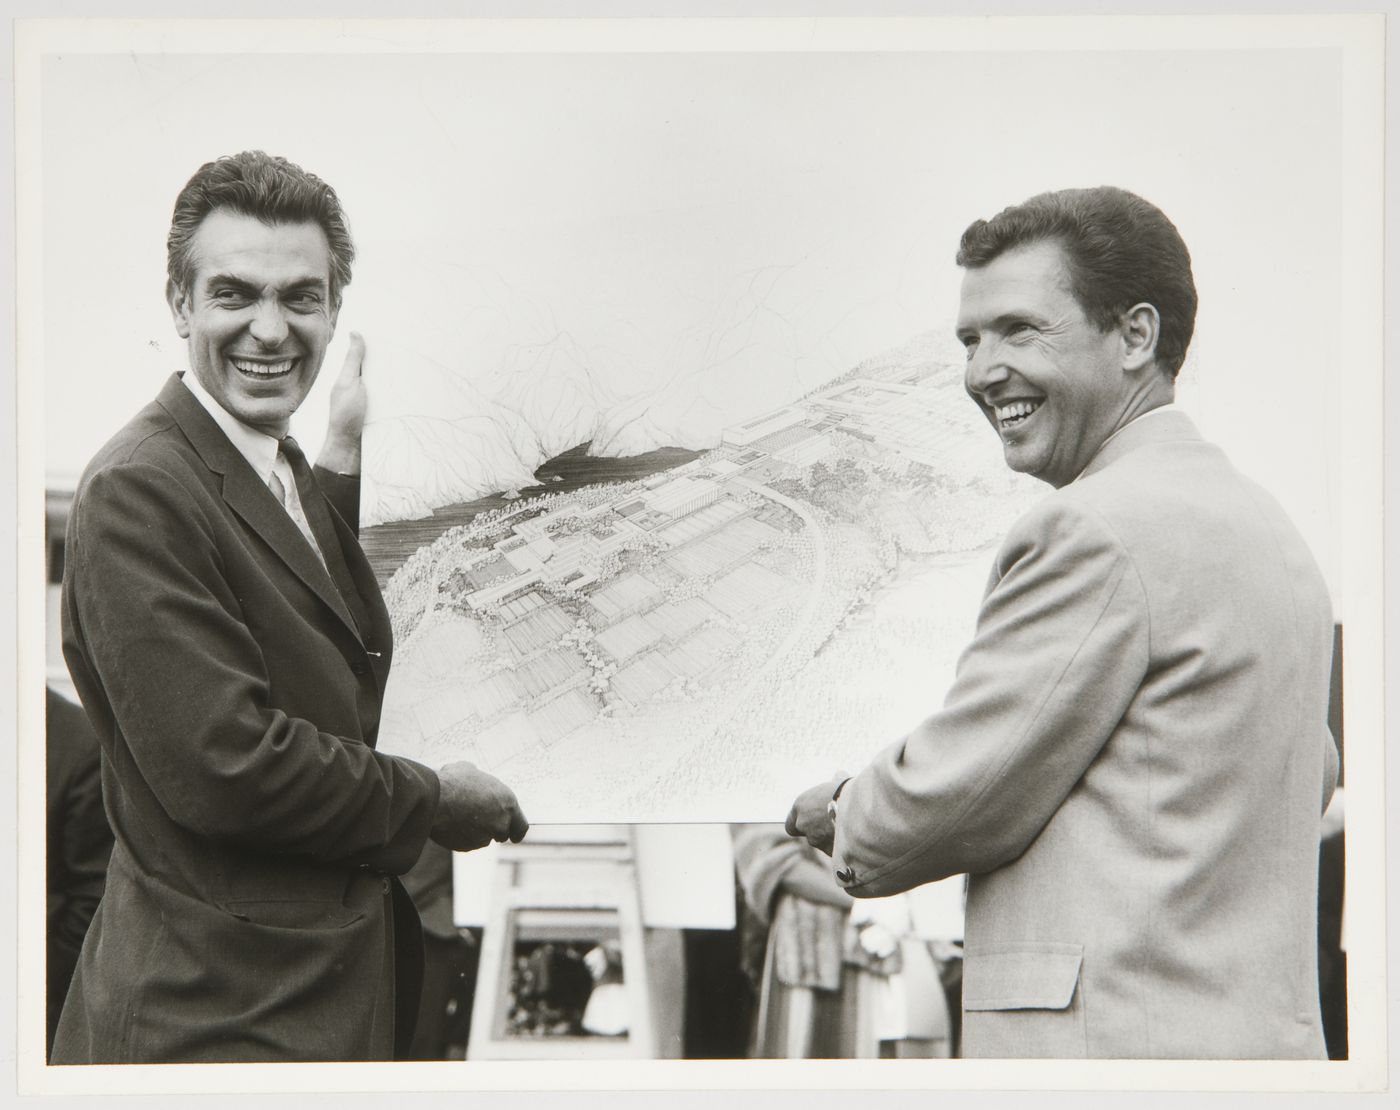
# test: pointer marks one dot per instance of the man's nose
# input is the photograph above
(269, 326)
(985, 368)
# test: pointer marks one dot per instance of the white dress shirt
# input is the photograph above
(264, 455)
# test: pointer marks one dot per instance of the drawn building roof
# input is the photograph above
(628, 593)
(720, 550)
(769, 422)
(680, 492)
(779, 441)
(704, 520)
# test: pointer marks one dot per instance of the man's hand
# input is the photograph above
(809, 817)
(346, 424)
(475, 808)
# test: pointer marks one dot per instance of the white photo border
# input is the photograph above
(1361, 43)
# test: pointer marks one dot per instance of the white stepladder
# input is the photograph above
(580, 889)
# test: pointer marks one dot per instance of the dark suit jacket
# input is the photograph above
(249, 910)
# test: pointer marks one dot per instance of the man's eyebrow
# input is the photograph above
(229, 279)
(1004, 321)
(1019, 316)
(998, 324)
(320, 284)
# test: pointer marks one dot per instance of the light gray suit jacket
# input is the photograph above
(1131, 764)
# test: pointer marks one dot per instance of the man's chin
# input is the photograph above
(1017, 458)
(1023, 462)
(267, 417)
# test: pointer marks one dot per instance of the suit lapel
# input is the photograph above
(244, 492)
(377, 645)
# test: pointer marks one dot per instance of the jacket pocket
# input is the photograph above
(294, 913)
(1024, 999)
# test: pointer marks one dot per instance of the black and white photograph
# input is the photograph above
(700, 553)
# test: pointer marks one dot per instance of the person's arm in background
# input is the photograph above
(769, 863)
(79, 839)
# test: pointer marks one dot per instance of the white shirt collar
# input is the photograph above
(1170, 406)
(259, 448)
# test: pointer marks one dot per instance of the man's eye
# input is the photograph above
(304, 302)
(970, 347)
(230, 297)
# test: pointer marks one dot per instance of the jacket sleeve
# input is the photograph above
(1059, 653)
(343, 492)
(153, 623)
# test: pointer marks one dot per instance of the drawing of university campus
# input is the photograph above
(690, 644)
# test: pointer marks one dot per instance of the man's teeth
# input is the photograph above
(262, 369)
(1016, 411)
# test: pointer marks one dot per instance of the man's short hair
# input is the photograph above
(268, 188)
(1120, 250)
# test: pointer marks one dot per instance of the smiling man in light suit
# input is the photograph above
(230, 646)
(1133, 759)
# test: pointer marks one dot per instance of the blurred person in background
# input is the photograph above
(836, 978)
(78, 843)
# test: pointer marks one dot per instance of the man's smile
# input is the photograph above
(1015, 413)
(262, 369)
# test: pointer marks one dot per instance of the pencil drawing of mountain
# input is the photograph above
(692, 629)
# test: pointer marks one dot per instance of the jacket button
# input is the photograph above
(845, 875)
(359, 668)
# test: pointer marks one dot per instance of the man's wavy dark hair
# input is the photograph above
(268, 188)
(1120, 249)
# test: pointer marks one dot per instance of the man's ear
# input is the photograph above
(179, 302)
(1140, 327)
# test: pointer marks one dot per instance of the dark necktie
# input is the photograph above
(318, 515)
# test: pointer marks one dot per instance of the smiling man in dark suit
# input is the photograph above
(230, 646)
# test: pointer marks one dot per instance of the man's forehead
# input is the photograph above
(1028, 271)
(233, 242)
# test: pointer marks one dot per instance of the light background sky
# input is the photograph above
(751, 223)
